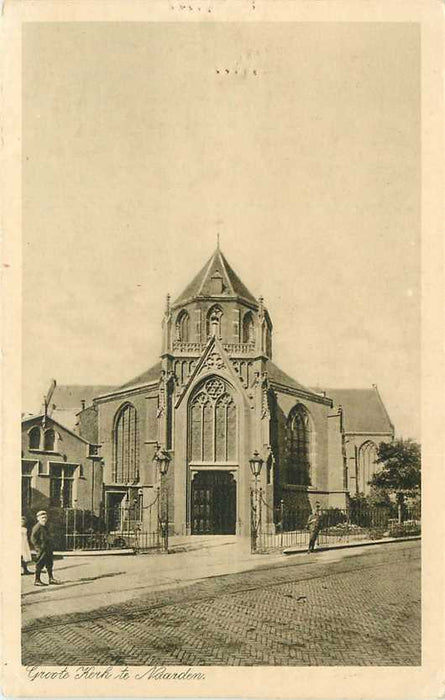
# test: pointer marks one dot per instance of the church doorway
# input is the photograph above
(213, 496)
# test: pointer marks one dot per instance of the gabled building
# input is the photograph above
(213, 399)
(60, 469)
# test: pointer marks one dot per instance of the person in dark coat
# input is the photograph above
(41, 540)
(314, 526)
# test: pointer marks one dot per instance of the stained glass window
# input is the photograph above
(298, 447)
(213, 428)
(126, 446)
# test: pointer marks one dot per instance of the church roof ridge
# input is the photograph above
(198, 287)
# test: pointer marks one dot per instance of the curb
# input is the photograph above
(349, 545)
(94, 552)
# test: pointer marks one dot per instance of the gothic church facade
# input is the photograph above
(213, 400)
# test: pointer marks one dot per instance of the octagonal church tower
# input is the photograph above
(214, 399)
(217, 339)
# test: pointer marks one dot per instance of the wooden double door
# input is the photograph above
(213, 497)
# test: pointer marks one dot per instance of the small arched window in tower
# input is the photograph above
(298, 448)
(213, 322)
(126, 446)
(34, 438)
(248, 328)
(49, 440)
(183, 327)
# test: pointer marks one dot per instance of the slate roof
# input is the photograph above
(150, 375)
(363, 410)
(70, 396)
(200, 285)
(275, 374)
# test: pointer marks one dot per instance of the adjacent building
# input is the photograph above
(60, 469)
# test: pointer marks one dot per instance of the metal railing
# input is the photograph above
(288, 526)
(137, 527)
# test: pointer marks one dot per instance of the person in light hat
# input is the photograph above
(41, 540)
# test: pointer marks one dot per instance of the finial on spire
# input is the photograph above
(261, 305)
(167, 304)
(217, 241)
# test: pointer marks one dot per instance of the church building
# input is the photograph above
(215, 400)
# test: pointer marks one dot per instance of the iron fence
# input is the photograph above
(287, 526)
(137, 527)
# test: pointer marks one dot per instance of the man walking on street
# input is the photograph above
(41, 540)
(314, 526)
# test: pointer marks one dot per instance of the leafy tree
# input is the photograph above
(401, 470)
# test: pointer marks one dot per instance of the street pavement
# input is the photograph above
(220, 605)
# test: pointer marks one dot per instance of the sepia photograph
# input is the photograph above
(221, 326)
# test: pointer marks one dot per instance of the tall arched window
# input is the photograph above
(213, 423)
(248, 329)
(298, 447)
(34, 438)
(213, 321)
(183, 327)
(367, 466)
(126, 446)
(49, 440)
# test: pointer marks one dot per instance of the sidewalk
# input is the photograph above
(91, 582)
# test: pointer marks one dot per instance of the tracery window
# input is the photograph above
(183, 327)
(366, 465)
(126, 446)
(298, 445)
(213, 423)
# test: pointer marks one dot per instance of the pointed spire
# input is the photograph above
(203, 284)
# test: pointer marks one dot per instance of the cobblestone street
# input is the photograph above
(348, 609)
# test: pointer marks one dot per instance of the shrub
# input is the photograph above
(410, 527)
(332, 517)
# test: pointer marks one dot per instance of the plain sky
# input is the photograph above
(298, 142)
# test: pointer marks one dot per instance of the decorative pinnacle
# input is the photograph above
(167, 304)
(217, 241)
(261, 304)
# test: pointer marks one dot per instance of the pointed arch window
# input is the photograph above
(213, 423)
(367, 465)
(213, 321)
(183, 327)
(298, 447)
(248, 328)
(126, 446)
(34, 438)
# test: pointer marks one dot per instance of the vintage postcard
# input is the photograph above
(223, 349)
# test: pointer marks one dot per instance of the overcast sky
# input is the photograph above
(139, 146)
